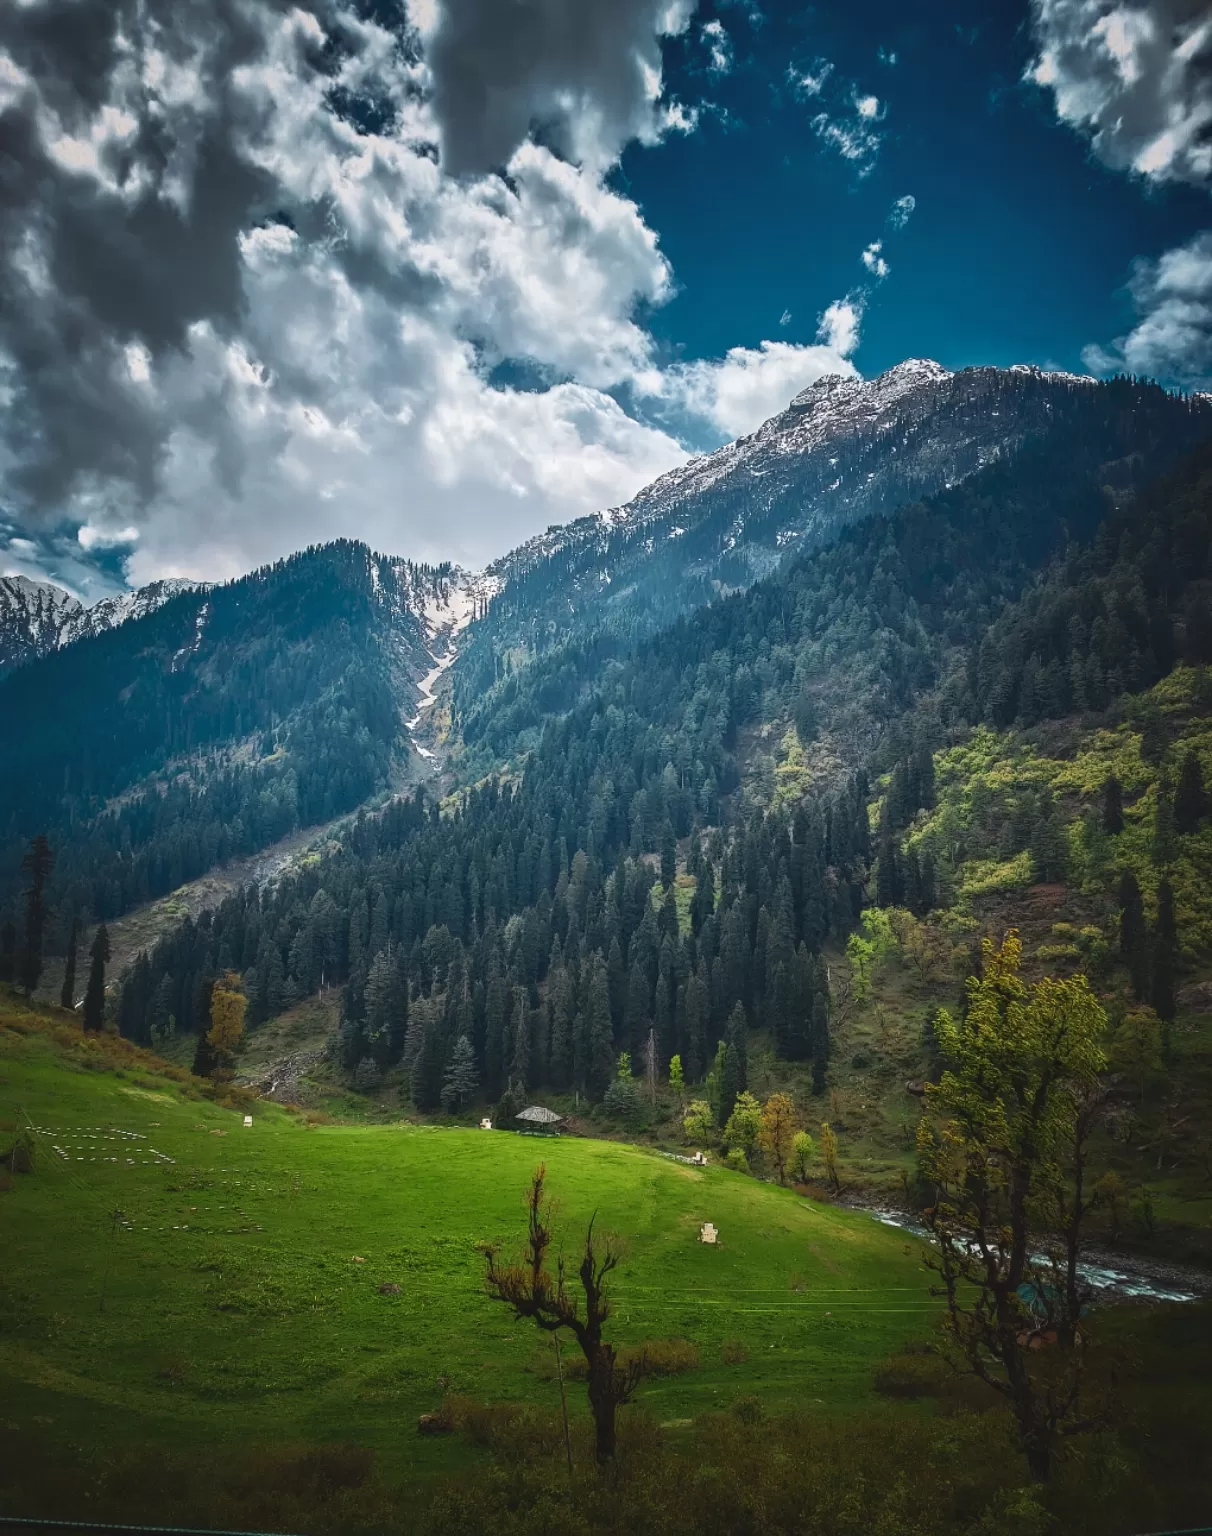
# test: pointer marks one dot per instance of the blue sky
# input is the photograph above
(440, 273)
(1021, 242)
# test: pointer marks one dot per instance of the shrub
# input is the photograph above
(667, 1357)
(748, 1409)
(733, 1352)
(737, 1161)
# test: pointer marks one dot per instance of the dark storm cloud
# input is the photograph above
(119, 218)
(584, 71)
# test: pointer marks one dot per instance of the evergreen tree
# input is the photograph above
(669, 855)
(1133, 935)
(1113, 806)
(1190, 797)
(94, 995)
(1049, 842)
(1165, 955)
(67, 993)
(597, 1028)
(37, 864)
(730, 1083)
(737, 1036)
(428, 1069)
(462, 1080)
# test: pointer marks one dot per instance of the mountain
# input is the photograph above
(844, 449)
(216, 720)
(37, 617)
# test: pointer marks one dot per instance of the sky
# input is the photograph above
(440, 273)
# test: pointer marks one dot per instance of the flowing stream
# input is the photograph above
(1120, 1279)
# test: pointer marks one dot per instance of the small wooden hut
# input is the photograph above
(539, 1121)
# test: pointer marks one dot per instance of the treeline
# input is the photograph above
(545, 941)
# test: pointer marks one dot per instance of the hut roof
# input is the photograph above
(538, 1115)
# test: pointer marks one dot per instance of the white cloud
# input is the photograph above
(90, 538)
(886, 56)
(849, 122)
(874, 261)
(1135, 78)
(1172, 337)
(902, 211)
(811, 82)
(719, 47)
(785, 317)
(740, 391)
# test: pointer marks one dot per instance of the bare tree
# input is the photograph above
(530, 1289)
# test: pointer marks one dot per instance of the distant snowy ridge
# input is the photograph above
(37, 617)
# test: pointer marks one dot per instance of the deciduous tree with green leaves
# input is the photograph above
(1002, 1144)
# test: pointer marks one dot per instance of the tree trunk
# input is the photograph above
(1038, 1448)
(602, 1400)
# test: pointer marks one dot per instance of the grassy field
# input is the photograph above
(172, 1277)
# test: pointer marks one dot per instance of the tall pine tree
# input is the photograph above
(37, 865)
(94, 995)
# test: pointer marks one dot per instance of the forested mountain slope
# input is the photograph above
(843, 639)
(620, 885)
(843, 450)
(216, 723)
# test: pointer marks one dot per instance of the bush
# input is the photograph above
(734, 1352)
(667, 1357)
(737, 1161)
(748, 1409)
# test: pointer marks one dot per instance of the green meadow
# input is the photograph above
(173, 1278)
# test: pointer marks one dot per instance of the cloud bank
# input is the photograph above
(275, 272)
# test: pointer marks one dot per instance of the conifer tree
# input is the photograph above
(1133, 935)
(8, 952)
(461, 1082)
(597, 1023)
(67, 993)
(730, 1081)
(37, 864)
(428, 1069)
(94, 996)
(1113, 806)
(1190, 798)
(669, 855)
(1165, 955)
(737, 1036)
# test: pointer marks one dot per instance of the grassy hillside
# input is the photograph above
(241, 1268)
